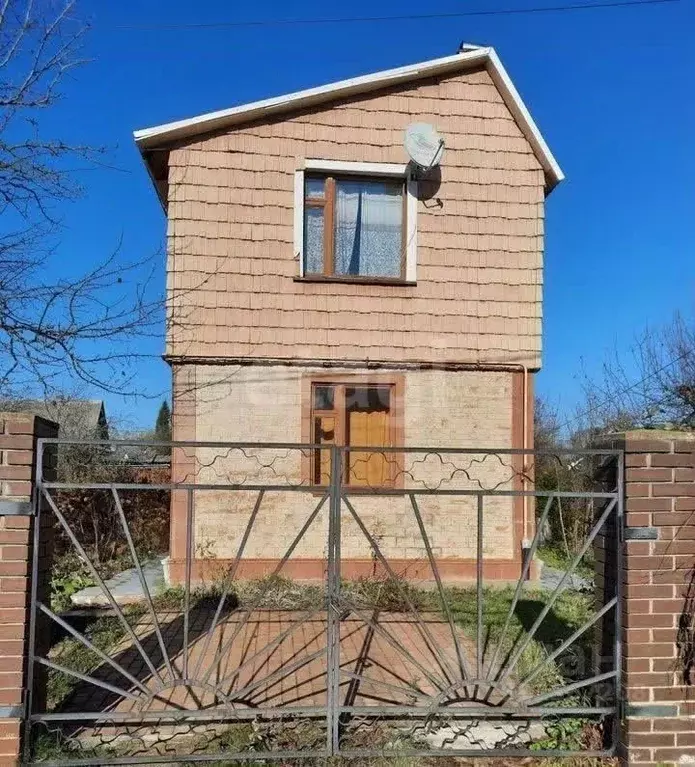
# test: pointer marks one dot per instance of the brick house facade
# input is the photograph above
(321, 290)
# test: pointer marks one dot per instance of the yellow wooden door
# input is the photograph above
(367, 428)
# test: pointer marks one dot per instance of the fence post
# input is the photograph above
(658, 610)
(332, 605)
(19, 433)
(608, 652)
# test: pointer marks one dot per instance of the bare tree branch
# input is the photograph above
(653, 384)
(56, 329)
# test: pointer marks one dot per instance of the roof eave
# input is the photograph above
(207, 123)
(165, 135)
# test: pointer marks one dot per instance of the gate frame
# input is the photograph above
(614, 537)
(337, 495)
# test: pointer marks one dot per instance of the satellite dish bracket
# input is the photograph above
(425, 169)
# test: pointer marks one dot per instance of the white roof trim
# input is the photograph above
(159, 135)
(517, 107)
(364, 168)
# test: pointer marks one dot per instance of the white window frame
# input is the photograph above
(385, 170)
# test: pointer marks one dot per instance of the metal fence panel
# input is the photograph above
(399, 608)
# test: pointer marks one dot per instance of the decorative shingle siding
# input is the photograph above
(479, 261)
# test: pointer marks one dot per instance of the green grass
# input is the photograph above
(276, 592)
(269, 593)
(53, 746)
(105, 633)
(555, 556)
(174, 598)
(569, 612)
(68, 576)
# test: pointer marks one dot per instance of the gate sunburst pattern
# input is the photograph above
(299, 621)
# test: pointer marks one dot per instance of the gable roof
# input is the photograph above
(162, 136)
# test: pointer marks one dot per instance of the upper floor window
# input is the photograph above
(354, 226)
(355, 221)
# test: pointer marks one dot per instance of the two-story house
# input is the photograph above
(320, 291)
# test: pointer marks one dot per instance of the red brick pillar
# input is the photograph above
(659, 599)
(183, 466)
(18, 435)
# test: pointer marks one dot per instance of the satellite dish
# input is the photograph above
(424, 146)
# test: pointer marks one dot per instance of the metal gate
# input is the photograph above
(298, 601)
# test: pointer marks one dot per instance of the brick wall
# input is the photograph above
(18, 435)
(659, 605)
(265, 404)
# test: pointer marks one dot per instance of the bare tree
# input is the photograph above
(653, 384)
(546, 425)
(53, 330)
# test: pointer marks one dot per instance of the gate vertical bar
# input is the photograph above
(187, 586)
(479, 589)
(333, 609)
(31, 650)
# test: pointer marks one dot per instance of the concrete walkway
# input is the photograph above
(551, 577)
(125, 587)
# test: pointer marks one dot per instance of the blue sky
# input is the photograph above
(611, 90)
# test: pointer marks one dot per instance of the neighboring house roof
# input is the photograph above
(84, 418)
(162, 136)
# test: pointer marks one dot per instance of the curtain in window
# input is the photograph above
(313, 240)
(368, 228)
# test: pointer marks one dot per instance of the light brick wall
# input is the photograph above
(231, 264)
(18, 434)
(441, 408)
(659, 599)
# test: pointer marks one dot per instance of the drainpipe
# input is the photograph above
(525, 541)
